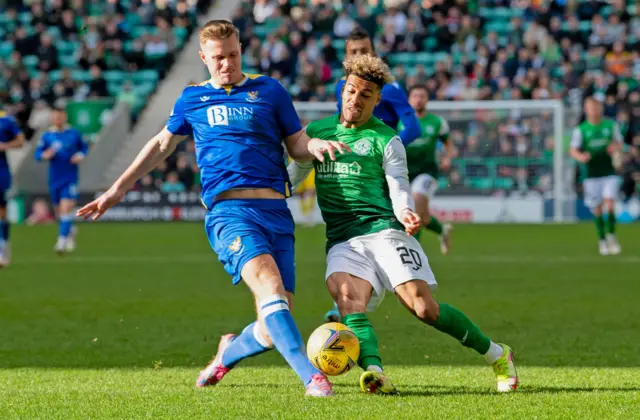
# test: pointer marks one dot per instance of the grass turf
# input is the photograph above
(120, 328)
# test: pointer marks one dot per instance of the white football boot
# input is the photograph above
(603, 247)
(613, 245)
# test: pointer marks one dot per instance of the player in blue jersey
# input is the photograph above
(394, 108)
(11, 137)
(63, 147)
(238, 122)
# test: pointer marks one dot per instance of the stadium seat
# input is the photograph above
(6, 48)
(146, 76)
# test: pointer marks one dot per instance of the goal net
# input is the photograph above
(510, 161)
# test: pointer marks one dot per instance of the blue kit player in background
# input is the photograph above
(63, 147)
(393, 108)
(238, 122)
(11, 137)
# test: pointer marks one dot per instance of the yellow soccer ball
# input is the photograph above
(333, 348)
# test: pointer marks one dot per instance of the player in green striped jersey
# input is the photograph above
(365, 200)
(422, 161)
(594, 143)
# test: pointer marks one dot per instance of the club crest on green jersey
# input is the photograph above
(362, 147)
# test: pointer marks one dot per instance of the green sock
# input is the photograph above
(455, 323)
(599, 226)
(434, 225)
(610, 223)
(362, 328)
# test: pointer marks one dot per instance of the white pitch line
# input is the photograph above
(211, 258)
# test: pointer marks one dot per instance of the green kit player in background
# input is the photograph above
(594, 143)
(422, 162)
(366, 203)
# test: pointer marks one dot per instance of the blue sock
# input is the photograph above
(4, 230)
(285, 335)
(248, 343)
(66, 222)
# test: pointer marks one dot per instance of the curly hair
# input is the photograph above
(369, 68)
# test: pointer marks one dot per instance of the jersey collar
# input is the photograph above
(228, 87)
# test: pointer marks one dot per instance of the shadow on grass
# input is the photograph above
(439, 390)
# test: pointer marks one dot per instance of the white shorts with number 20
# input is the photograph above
(385, 259)
(598, 189)
(425, 184)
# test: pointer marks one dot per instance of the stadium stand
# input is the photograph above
(461, 50)
(78, 49)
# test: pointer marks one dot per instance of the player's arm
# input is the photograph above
(44, 150)
(406, 114)
(155, 151)
(618, 140)
(395, 170)
(338, 93)
(83, 148)
(298, 172)
(299, 146)
(17, 139)
(576, 144)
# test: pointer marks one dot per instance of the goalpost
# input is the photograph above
(511, 163)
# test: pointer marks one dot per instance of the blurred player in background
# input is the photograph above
(422, 161)
(393, 107)
(392, 110)
(365, 199)
(10, 138)
(238, 122)
(594, 143)
(63, 147)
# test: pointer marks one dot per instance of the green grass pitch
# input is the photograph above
(121, 328)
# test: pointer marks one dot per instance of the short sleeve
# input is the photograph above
(444, 127)
(576, 138)
(617, 135)
(286, 115)
(14, 129)
(177, 123)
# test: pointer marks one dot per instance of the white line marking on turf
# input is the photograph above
(210, 258)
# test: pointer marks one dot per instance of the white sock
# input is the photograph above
(494, 353)
(374, 368)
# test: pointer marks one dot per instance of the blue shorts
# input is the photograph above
(64, 192)
(5, 185)
(240, 230)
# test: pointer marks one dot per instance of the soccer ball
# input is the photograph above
(333, 348)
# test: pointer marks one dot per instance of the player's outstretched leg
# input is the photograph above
(5, 251)
(610, 227)
(231, 350)
(262, 276)
(417, 297)
(352, 295)
(598, 220)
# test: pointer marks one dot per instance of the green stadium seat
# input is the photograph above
(25, 18)
(146, 76)
(80, 75)
(144, 89)
(6, 48)
(261, 31)
(67, 61)
(443, 183)
(54, 31)
(479, 183)
(114, 76)
(504, 183)
(67, 47)
(55, 75)
(140, 31)
(30, 61)
(338, 44)
(430, 43)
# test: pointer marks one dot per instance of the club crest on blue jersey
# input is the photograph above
(252, 96)
(236, 245)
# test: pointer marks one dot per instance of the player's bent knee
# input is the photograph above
(262, 276)
(351, 294)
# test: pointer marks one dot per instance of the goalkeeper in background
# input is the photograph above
(594, 143)
(422, 162)
(366, 202)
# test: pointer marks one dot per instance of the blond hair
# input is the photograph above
(217, 30)
(369, 68)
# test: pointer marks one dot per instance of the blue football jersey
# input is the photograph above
(9, 130)
(68, 141)
(393, 108)
(238, 132)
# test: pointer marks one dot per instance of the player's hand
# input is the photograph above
(77, 158)
(97, 207)
(586, 157)
(411, 222)
(318, 148)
